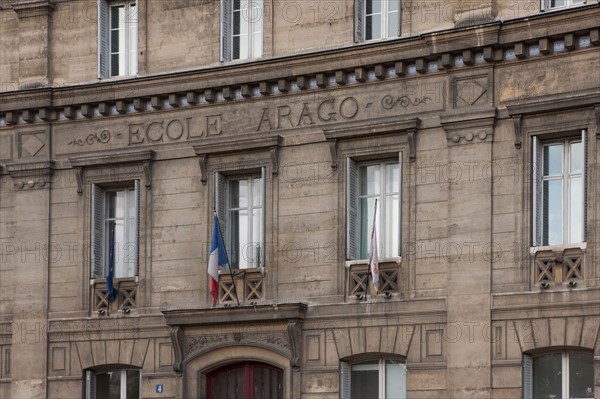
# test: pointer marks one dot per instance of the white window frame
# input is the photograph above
(100, 248)
(129, 46)
(91, 383)
(353, 210)
(565, 177)
(223, 208)
(251, 21)
(546, 5)
(528, 374)
(360, 20)
(346, 377)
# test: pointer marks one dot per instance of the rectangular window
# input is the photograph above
(118, 37)
(559, 191)
(383, 378)
(559, 4)
(367, 182)
(115, 220)
(241, 211)
(377, 19)
(241, 29)
(118, 384)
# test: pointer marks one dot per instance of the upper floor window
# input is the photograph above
(558, 4)
(367, 182)
(241, 210)
(113, 384)
(567, 374)
(379, 378)
(559, 190)
(117, 38)
(377, 19)
(241, 29)
(115, 214)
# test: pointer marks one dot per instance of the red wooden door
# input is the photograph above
(245, 381)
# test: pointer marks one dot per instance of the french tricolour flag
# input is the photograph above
(218, 257)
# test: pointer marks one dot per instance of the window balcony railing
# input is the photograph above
(249, 284)
(127, 290)
(558, 267)
(359, 282)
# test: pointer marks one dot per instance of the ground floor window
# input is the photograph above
(379, 378)
(245, 381)
(113, 384)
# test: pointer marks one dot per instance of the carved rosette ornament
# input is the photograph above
(31, 175)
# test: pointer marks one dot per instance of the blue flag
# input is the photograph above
(112, 292)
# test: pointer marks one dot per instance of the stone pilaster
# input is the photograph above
(31, 263)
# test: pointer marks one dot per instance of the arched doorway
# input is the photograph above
(247, 380)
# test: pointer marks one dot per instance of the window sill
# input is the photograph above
(119, 78)
(557, 248)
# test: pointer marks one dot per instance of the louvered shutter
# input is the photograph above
(90, 385)
(103, 39)
(345, 381)
(359, 20)
(351, 210)
(400, 205)
(537, 173)
(527, 377)
(584, 182)
(263, 228)
(97, 232)
(221, 203)
(226, 30)
(136, 244)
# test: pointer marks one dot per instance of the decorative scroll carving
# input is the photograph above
(388, 102)
(333, 151)
(177, 340)
(102, 138)
(294, 330)
(518, 130)
(202, 162)
(79, 177)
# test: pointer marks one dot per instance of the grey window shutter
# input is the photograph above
(537, 173)
(263, 228)
(584, 182)
(221, 203)
(90, 385)
(103, 39)
(359, 20)
(136, 244)
(400, 205)
(527, 377)
(351, 210)
(226, 30)
(345, 381)
(545, 4)
(97, 232)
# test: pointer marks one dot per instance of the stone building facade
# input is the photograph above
(125, 126)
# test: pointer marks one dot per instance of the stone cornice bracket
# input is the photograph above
(412, 145)
(333, 151)
(177, 339)
(30, 175)
(294, 330)
(470, 127)
(33, 8)
(597, 111)
(517, 121)
(254, 143)
(109, 158)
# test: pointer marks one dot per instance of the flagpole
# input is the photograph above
(370, 250)
(227, 257)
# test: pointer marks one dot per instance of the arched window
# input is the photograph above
(245, 381)
(116, 383)
(559, 374)
(380, 377)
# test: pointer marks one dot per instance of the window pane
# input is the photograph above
(581, 375)
(373, 27)
(370, 180)
(393, 24)
(367, 208)
(364, 381)
(576, 157)
(373, 6)
(552, 212)
(395, 379)
(254, 250)
(553, 160)
(576, 210)
(133, 384)
(108, 385)
(547, 376)
(392, 178)
(557, 3)
(238, 194)
(117, 16)
(392, 224)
